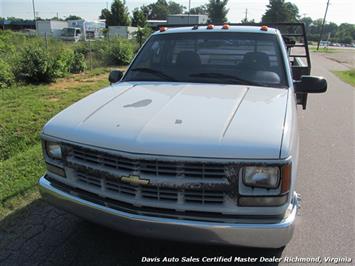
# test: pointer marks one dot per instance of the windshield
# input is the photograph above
(68, 32)
(230, 58)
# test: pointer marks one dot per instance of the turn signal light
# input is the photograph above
(264, 28)
(210, 26)
(286, 178)
(162, 29)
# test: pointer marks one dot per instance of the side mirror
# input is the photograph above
(115, 76)
(311, 84)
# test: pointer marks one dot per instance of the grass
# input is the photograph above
(323, 50)
(347, 76)
(24, 109)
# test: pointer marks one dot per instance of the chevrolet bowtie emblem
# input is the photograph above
(134, 180)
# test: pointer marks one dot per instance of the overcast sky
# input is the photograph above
(339, 10)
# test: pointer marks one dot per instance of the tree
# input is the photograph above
(161, 9)
(117, 16)
(139, 19)
(106, 14)
(217, 11)
(280, 11)
(73, 17)
(175, 8)
(345, 33)
(142, 34)
(199, 10)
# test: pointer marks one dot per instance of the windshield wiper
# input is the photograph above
(225, 76)
(154, 72)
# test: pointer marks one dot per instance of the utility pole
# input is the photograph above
(321, 31)
(246, 15)
(188, 18)
(34, 12)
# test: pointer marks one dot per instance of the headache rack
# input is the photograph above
(295, 38)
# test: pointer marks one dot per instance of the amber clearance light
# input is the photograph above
(210, 26)
(225, 26)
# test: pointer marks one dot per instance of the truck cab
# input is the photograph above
(71, 34)
(196, 141)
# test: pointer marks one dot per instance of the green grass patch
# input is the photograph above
(18, 201)
(20, 172)
(24, 109)
(324, 50)
(347, 76)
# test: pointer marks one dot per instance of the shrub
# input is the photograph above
(142, 35)
(120, 52)
(63, 60)
(78, 63)
(35, 65)
(6, 75)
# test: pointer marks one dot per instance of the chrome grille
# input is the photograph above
(152, 193)
(150, 167)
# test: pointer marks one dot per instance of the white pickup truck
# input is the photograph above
(196, 141)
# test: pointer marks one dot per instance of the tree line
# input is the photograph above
(217, 11)
(276, 11)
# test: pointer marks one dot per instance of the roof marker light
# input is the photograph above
(225, 26)
(264, 28)
(162, 29)
(210, 26)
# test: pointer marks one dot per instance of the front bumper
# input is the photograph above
(272, 235)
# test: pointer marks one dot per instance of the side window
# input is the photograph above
(154, 56)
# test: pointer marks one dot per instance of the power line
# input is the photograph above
(321, 31)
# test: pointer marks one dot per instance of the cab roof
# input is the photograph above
(217, 28)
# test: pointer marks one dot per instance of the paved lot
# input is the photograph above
(41, 234)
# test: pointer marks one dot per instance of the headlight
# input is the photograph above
(263, 177)
(53, 150)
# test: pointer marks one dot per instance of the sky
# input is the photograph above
(340, 11)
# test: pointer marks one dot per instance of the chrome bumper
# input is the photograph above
(253, 235)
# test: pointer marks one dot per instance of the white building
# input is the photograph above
(51, 28)
(184, 19)
(156, 22)
(122, 31)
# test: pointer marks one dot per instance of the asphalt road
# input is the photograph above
(41, 234)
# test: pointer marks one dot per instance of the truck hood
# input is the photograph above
(178, 119)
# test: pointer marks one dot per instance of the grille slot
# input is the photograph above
(121, 188)
(159, 193)
(204, 197)
(89, 180)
